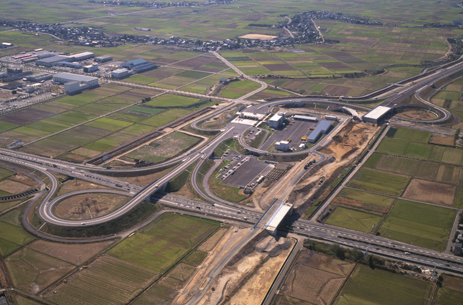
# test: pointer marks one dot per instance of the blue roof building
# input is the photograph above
(321, 128)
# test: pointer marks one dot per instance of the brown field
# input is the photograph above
(442, 139)
(32, 271)
(326, 277)
(196, 62)
(258, 36)
(88, 206)
(416, 114)
(448, 174)
(26, 116)
(13, 187)
(335, 65)
(21, 178)
(76, 185)
(210, 243)
(73, 253)
(433, 192)
(106, 281)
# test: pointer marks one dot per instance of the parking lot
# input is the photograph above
(245, 170)
(294, 130)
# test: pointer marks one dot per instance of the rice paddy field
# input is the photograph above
(450, 98)
(396, 183)
(76, 128)
(367, 286)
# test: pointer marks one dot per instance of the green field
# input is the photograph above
(167, 101)
(368, 201)
(451, 291)
(392, 146)
(414, 135)
(419, 224)
(419, 169)
(381, 182)
(163, 242)
(12, 235)
(371, 287)
(354, 220)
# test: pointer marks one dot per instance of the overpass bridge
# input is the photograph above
(284, 209)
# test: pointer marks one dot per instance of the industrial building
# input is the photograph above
(276, 120)
(305, 118)
(91, 68)
(74, 83)
(74, 65)
(82, 56)
(52, 61)
(120, 73)
(39, 77)
(145, 67)
(322, 128)
(376, 114)
(282, 145)
(251, 116)
(132, 63)
(331, 117)
(102, 59)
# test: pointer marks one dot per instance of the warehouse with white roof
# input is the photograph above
(376, 114)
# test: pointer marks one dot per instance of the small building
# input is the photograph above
(276, 120)
(74, 83)
(223, 81)
(457, 249)
(132, 63)
(13, 71)
(331, 117)
(3, 74)
(322, 128)
(91, 68)
(305, 118)
(82, 56)
(143, 29)
(52, 61)
(376, 114)
(120, 73)
(102, 59)
(282, 145)
(5, 45)
(45, 55)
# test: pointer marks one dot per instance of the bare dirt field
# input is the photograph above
(21, 178)
(210, 243)
(326, 277)
(433, 192)
(442, 139)
(76, 185)
(416, 114)
(258, 36)
(13, 187)
(73, 253)
(88, 206)
(249, 275)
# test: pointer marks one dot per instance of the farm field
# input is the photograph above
(86, 139)
(160, 244)
(163, 148)
(352, 219)
(381, 182)
(364, 200)
(433, 192)
(367, 286)
(327, 276)
(13, 236)
(451, 291)
(419, 224)
(107, 279)
(32, 271)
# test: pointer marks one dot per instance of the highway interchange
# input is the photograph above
(217, 208)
